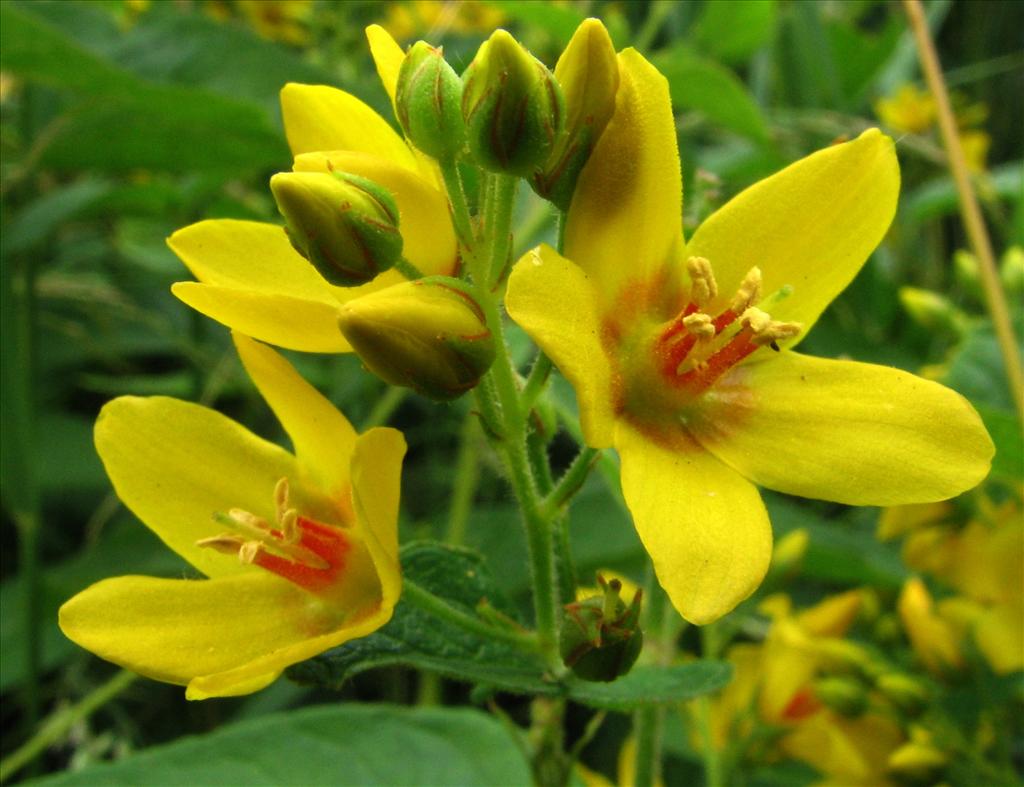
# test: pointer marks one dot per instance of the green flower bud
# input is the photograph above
(513, 107)
(588, 74)
(429, 335)
(932, 310)
(601, 637)
(844, 695)
(906, 693)
(346, 225)
(1011, 271)
(428, 102)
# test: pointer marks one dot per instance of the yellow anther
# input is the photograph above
(289, 526)
(703, 287)
(700, 325)
(249, 551)
(247, 520)
(765, 329)
(749, 291)
(225, 543)
(281, 493)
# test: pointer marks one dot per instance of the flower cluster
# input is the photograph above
(681, 351)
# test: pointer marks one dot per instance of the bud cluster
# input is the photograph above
(601, 637)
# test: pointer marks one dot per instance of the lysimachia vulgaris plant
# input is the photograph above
(682, 353)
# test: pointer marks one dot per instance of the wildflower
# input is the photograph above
(671, 348)
(250, 277)
(982, 560)
(408, 19)
(301, 550)
(909, 110)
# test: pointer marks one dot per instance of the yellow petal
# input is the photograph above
(624, 227)
(282, 320)
(703, 524)
(849, 751)
(317, 117)
(222, 637)
(810, 226)
(376, 481)
(427, 233)
(934, 640)
(174, 464)
(555, 303)
(249, 255)
(388, 57)
(838, 430)
(789, 664)
(833, 616)
(322, 437)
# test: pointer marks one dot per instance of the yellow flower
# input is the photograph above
(775, 682)
(983, 561)
(909, 110)
(420, 17)
(670, 347)
(279, 20)
(325, 573)
(250, 277)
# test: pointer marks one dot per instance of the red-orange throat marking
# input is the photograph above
(309, 553)
(695, 348)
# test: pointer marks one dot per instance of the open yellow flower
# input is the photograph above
(301, 550)
(670, 347)
(250, 277)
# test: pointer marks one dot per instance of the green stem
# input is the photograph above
(711, 647)
(57, 726)
(649, 722)
(504, 197)
(438, 607)
(572, 479)
(657, 13)
(407, 269)
(970, 212)
(540, 373)
(457, 202)
(385, 407)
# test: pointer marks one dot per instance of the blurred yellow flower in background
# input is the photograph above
(418, 18)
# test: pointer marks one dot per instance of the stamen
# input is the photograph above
(225, 543)
(281, 492)
(703, 287)
(699, 325)
(748, 293)
(695, 349)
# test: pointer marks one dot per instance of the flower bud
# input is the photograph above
(588, 74)
(512, 105)
(429, 335)
(906, 693)
(346, 225)
(844, 695)
(932, 310)
(1011, 271)
(788, 554)
(428, 102)
(601, 637)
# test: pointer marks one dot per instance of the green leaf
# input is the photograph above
(116, 121)
(39, 219)
(733, 31)
(649, 685)
(976, 369)
(705, 86)
(938, 197)
(414, 638)
(338, 744)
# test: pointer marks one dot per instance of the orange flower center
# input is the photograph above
(695, 348)
(311, 554)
